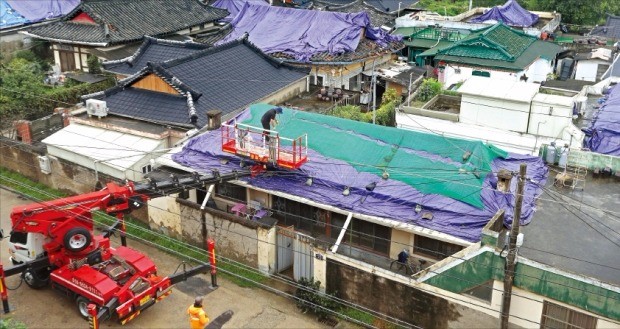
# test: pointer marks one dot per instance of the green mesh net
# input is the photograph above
(430, 163)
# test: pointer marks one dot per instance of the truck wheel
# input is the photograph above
(36, 279)
(82, 306)
(77, 239)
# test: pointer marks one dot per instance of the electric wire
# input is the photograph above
(451, 256)
(297, 285)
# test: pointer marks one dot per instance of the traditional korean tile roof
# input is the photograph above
(104, 23)
(155, 51)
(498, 46)
(377, 17)
(228, 78)
(611, 29)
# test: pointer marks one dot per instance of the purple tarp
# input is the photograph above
(603, 135)
(302, 33)
(510, 13)
(234, 6)
(39, 10)
(395, 201)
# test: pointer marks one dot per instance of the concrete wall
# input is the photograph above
(500, 114)
(586, 69)
(236, 237)
(400, 300)
(287, 93)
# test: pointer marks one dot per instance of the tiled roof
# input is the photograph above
(611, 29)
(366, 49)
(152, 50)
(380, 6)
(228, 78)
(498, 46)
(126, 21)
(377, 17)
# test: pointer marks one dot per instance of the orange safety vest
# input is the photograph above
(198, 319)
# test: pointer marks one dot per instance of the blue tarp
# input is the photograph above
(20, 11)
(9, 17)
(302, 33)
(391, 199)
(511, 13)
(234, 6)
(603, 135)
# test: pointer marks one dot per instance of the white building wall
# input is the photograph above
(550, 120)
(451, 74)
(586, 70)
(538, 71)
(266, 250)
(495, 113)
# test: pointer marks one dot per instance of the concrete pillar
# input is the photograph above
(266, 249)
(214, 119)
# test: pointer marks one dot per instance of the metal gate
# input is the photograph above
(295, 249)
(285, 237)
(304, 260)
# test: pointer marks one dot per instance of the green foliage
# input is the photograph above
(430, 88)
(309, 298)
(41, 101)
(352, 112)
(9, 323)
(27, 55)
(94, 66)
(572, 10)
(22, 79)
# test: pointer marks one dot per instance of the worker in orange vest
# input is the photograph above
(198, 319)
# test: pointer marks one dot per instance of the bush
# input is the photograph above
(94, 66)
(351, 112)
(311, 299)
(430, 88)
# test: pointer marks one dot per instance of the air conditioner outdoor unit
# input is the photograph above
(44, 164)
(96, 107)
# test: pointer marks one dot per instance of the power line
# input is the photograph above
(451, 256)
(290, 282)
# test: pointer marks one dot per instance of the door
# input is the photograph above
(67, 62)
(303, 266)
(285, 237)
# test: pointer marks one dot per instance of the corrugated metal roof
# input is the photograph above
(114, 149)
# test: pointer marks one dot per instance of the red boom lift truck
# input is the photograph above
(53, 242)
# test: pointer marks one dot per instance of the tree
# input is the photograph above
(94, 66)
(21, 79)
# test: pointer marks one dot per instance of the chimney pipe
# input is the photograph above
(214, 119)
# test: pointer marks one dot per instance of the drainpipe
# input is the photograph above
(536, 140)
(344, 229)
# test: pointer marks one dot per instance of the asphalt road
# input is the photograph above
(250, 307)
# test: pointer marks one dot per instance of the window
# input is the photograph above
(363, 234)
(434, 248)
(230, 191)
(147, 169)
(559, 317)
(19, 237)
(299, 215)
(485, 74)
(483, 291)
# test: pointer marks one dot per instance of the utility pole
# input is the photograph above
(409, 90)
(374, 92)
(509, 272)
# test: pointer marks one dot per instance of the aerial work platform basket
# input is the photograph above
(264, 146)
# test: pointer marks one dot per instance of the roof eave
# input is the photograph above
(83, 43)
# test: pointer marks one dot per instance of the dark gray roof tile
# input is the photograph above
(228, 78)
(128, 21)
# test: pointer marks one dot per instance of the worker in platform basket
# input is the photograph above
(269, 119)
(198, 319)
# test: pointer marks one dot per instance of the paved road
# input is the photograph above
(251, 308)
